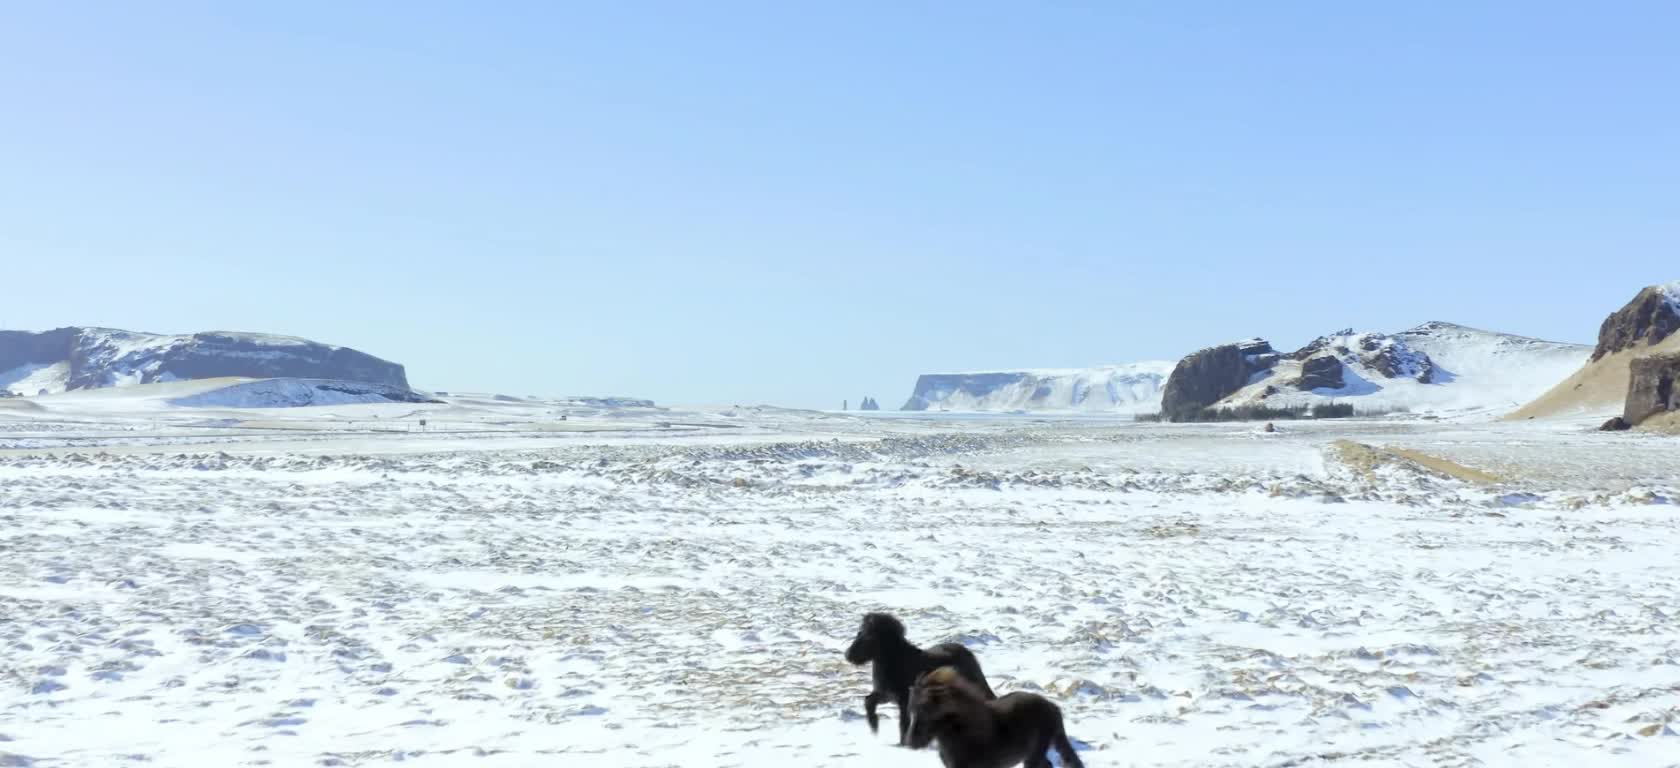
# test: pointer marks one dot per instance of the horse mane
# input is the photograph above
(947, 694)
(884, 625)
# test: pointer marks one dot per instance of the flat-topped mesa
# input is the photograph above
(1130, 388)
(90, 358)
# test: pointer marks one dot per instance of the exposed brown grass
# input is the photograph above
(1598, 388)
(1366, 459)
(1666, 423)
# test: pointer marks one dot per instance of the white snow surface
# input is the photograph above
(1476, 373)
(1122, 389)
(288, 393)
(127, 354)
(1671, 291)
(669, 587)
(34, 378)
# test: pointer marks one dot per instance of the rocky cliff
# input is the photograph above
(1322, 372)
(88, 358)
(1651, 388)
(1391, 357)
(1210, 375)
(1652, 316)
(1602, 385)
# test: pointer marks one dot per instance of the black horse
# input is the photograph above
(897, 664)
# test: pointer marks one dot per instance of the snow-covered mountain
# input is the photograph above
(89, 358)
(1131, 388)
(1435, 367)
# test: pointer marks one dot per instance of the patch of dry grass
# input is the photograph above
(1667, 423)
(1600, 386)
(1366, 459)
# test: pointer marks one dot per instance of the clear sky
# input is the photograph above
(791, 203)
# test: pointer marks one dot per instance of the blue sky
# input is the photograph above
(793, 204)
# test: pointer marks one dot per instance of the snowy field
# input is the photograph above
(638, 587)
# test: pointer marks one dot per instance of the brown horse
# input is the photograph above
(974, 731)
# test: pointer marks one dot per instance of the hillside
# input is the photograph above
(67, 359)
(1599, 386)
(1436, 367)
(299, 393)
(1133, 388)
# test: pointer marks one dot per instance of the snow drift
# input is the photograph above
(297, 393)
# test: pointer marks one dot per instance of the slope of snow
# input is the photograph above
(140, 401)
(294, 393)
(125, 356)
(1473, 371)
(1201, 596)
(1132, 388)
(34, 378)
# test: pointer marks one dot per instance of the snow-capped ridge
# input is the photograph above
(89, 358)
(1437, 366)
(1387, 355)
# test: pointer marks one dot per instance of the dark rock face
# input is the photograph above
(1651, 388)
(1323, 372)
(103, 357)
(1388, 355)
(1652, 316)
(1393, 359)
(1208, 376)
(18, 348)
(1615, 424)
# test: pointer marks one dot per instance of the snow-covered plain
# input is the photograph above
(648, 587)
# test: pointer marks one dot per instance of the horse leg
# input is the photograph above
(1039, 757)
(869, 704)
(903, 721)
